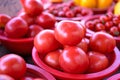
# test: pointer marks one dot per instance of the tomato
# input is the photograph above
(45, 42)
(83, 44)
(52, 59)
(46, 20)
(74, 60)
(32, 7)
(29, 19)
(69, 32)
(4, 19)
(16, 28)
(98, 61)
(102, 42)
(13, 65)
(34, 30)
(5, 77)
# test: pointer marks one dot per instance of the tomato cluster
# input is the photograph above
(109, 23)
(68, 10)
(13, 67)
(29, 21)
(67, 48)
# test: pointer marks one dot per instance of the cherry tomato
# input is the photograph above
(69, 32)
(46, 20)
(5, 77)
(16, 28)
(34, 30)
(32, 7)
(74, 60)
(52, 59)
(98, 61)
(102, 42)
(4, 19)
(13, 65)
(45, 42)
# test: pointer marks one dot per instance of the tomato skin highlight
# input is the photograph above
(13, 65)
(69, 32)
(102, 42)
(74, 60)
(45, 42)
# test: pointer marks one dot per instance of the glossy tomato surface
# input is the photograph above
(16, 28)
(74, 60)
(98, 61)
(102, 42)
(5, 77)
(45, 41)
(52, 59)
(12, 65)
(69, 32)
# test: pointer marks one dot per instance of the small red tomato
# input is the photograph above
(29, 19)
(114, 31)
(34, 30)
(4, 19)
(52, 59)
(102, 42)
(45, 42)
(74, 60)
(5, 77)
(69, 32)
(13, 65)
(16, 28)
(98, 61)
(46, 20)
(32, 7)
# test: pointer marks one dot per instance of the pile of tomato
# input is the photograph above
(67, 48)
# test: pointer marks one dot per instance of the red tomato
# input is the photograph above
(32, 7)
(74, 60)
(46, 20)
(29, 19)
(4, 19)
(98, 61)
(52, 59)
(45, 42)
(83, 44)
(102, 42)
(16, 28)
(13, 65)
(5, 77)
(69, 32)
(34, 30)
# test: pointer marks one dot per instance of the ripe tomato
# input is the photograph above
(45, 42)
(29, 19)
(32, 7)
(5, 77)
(13, 65)
(4, 19)
(102, 42)
(52, 59)
(34, 30)
(74, 60)
(16, 28)
(98, 61)
(83, 44)
(26, 78)
(46, 20)
(69, 32)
